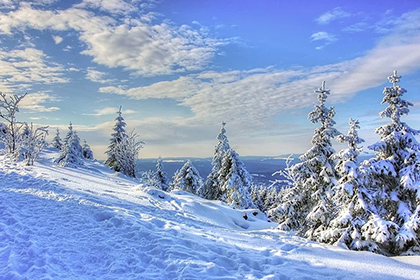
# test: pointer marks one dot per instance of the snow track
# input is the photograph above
(87, 223)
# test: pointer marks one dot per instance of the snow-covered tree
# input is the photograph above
(161, 175)
(187, 178)
(31, 143)
(235, 181)
(149, 178)
(126, 154)
(8, 109)
(211, 187)
(72, 152)
(307, 206)
(57, 142)
(87, 151)
(393, 177)
(351, 198)
(264, 197)
(116, 138)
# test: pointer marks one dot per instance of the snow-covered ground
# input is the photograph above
(88, 223)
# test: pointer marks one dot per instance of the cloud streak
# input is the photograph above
(332, 15)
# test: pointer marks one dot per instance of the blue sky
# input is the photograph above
(180, 68)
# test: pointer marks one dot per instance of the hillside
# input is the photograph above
(88, 223)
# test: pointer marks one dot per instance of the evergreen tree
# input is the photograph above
(87, 152)
(161, 175)
(211, 187)
(187, 178)
(306, 206)
(393, 177)
(116, 138)
(72, 152)
(235, 181)
(126, 154)
(351, 198)
(68, 135)
(57, 142)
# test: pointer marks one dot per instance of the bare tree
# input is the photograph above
(8, 109)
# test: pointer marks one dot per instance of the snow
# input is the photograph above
(90, 223)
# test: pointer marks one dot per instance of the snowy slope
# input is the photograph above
(87, 223)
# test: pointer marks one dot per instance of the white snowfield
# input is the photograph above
(88, 223)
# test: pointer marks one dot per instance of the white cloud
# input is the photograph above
(34, 102)
(334, 14)
(110, 111)
(19, 69)
(97, 76)
(323, 36)
(152, 49)
(57, 39)
(111, 6)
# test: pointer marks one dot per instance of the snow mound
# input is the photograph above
(88, 223)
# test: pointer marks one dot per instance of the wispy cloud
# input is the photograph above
(324, 37)
(152, 49)
(35, 102)
(334, 14)
(97, 76)
(19, 69)
(110, 111)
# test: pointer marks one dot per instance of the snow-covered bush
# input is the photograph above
(187, 178)
(30, 143)
(87, 151)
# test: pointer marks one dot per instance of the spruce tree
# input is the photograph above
(161, 175)
(117, 137)
(393, 177)
(211, 187)
(235, 181)
(57, 142)
(87, 151)
(306, 206)
(72, 152)
(187, 178)
(351, 198)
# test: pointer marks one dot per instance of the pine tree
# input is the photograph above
(235, 181)
(87, 152)
(72, 152)
(393, 176)
(306, 206)
(351, 198)
(187, 178)
(57, 142)
(117, 137)
(211, 187)
(161, 175)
